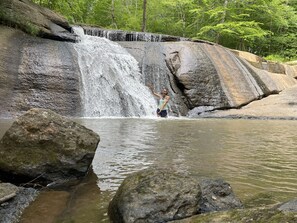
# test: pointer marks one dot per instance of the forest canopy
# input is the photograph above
(264, 27)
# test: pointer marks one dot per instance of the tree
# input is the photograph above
(144, 16)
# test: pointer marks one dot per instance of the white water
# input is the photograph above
(111, 80)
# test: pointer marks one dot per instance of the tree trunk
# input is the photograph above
(144, 16)
(113, 14)
(223, 19)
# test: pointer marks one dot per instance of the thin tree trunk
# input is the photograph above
(144, 16)
(113, 14)
(223, 19)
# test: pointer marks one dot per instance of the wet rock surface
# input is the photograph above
(46, 147)
(7, 192)
(36, 72)
(155, 196)
(217, 195)
(280, 106)
(35, 20)
(290, 206)
(11, 210)
(202, 76)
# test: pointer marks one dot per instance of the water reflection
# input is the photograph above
(257, 157)
(254, 156)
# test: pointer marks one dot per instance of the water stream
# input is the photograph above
(111, 81)
(258, 158)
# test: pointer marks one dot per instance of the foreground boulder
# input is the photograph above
(47, 147)
(35, 20)
(155, 196)
(252, 215)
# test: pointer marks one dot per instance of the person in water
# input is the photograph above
(164, 98)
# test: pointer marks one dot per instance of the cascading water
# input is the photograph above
(111, 79)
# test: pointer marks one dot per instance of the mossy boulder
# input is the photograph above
(47, 147)
(35, 20)
(253, 215)
(155, 195)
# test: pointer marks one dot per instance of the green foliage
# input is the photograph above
(264, 27)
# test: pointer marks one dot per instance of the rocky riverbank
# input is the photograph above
(157, 195)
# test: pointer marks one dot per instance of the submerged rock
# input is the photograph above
(47, 147)
(155, 196)
(290, 206)
(11, 210)
(217, 195)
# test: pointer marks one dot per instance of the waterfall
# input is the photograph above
(111, 80)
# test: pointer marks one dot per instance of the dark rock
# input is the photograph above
(11, 210)
(36, 72)
(46, 147)
(155, 196)
(35, 20)
(120, 35)
(217, 195)
(290, 206)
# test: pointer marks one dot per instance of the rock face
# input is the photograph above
(281, 106)
(35, 20)
(155, 196)
(120, 35)
(217, 195)
(203, 76)
(44, 145)
(37, 72)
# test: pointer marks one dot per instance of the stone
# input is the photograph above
(155, 195)
(37, 72)
(259, 215)
(217, 195)
(207, 76)
(35, 20)
(290, 206)
(43, 147)
(11, 210)
(7, 191)
(280, 106)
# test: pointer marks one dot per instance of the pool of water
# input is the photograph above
(257, 157)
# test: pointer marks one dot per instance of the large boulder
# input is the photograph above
(217, 195)
(47, 147)
(35, 20)
(155, 196)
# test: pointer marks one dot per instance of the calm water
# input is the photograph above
(258, 158)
